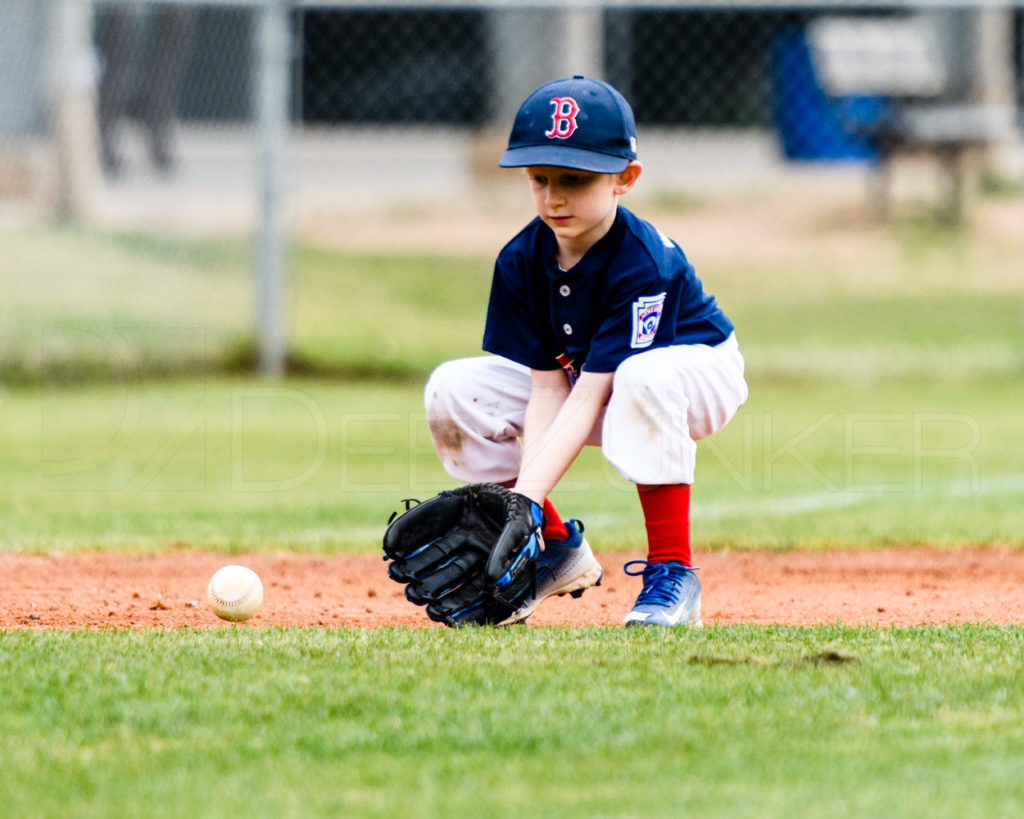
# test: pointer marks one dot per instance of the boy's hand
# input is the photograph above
(468, 554)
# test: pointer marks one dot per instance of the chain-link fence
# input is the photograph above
(168, 86)
(277, 116)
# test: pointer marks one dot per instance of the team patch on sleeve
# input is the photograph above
(647, 312)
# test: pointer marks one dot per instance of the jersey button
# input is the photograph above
(564, 290)
(567, 329)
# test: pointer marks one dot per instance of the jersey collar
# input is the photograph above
(594, 259)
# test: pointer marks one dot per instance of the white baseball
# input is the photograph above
(235, 593)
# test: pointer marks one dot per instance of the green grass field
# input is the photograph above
(229, 463)
(724, 722)
(885, 387)
(887, 374)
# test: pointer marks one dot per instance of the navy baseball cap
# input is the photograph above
(578, 123)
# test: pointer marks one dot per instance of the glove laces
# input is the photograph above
(662, 581)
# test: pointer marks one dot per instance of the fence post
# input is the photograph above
(272, 124)
(72, 99)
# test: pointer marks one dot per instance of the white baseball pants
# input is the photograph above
(663, 401)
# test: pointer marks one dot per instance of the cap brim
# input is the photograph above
(562, 156)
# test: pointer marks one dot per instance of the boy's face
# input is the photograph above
(579, 206)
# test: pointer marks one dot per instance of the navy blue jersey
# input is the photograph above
(634, 290)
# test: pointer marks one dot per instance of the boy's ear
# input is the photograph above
(626, 179)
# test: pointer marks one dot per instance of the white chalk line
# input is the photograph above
(843, 498)
(761, 506)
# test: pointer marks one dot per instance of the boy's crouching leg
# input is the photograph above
(663, 401)
(475, 408)
(646, 433)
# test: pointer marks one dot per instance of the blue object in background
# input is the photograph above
(812, 125)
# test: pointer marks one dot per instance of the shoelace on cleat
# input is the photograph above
(662, 581)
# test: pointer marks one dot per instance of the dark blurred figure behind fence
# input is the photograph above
(143, 55)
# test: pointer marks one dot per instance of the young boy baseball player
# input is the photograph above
(601, 334)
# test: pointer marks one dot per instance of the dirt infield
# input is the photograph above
(891, 587)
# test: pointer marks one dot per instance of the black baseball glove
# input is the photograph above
(468, 554)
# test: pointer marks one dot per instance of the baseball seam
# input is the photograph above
(237, 601)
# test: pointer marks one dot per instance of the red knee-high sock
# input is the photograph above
(554, 528)
(667, 518)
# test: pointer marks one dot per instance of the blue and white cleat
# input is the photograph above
(564, 567)
(670, 597)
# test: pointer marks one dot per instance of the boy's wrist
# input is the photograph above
(534, 495)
